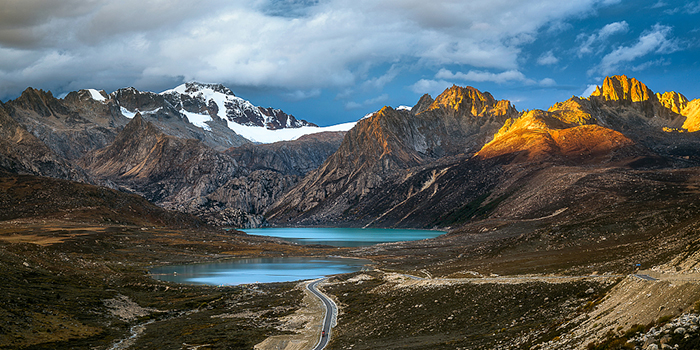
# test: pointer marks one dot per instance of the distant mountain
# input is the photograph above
(206, 105)
(23, 153)
(380, 152)
(466, 156)
(167, 147)
(229, 188)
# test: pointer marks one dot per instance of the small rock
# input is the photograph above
(652, 347)
(679, 330)
(590, 291)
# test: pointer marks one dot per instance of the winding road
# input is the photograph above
(328, 319)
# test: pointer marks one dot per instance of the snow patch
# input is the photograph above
(199, 120)
(96, 95)
(401, 108)
(127, 113)
(262, 135)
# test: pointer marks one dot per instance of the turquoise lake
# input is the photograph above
(344, 237)
(257, 270)
(268, 270)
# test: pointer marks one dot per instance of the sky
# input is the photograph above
(334, 61)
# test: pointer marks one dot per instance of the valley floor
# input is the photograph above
(68, 285)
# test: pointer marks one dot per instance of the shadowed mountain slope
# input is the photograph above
(21, 152)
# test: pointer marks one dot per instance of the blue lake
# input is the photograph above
(262, 270)
(344, 237)
(267, 270)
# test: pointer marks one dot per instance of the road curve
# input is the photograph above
(328, 319)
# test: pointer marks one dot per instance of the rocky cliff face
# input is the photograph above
(296, 157)
(172, 172)
(70, 127)
(380, 149)
(23, 153)
(188, 175)
(539, 135)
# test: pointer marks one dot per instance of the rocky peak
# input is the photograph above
(82, 96)
(43, 102)
(468, 99)
(672, 100)
(423, 104)
(539, 135)
(129, 148)
(280, 120)
(623, 89)
(575, 111)
(195, 87)
(692, 114)
(134, 100)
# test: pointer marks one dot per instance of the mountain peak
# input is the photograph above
(672, 100)
(470, 99)
(193, 88)
(622, 88)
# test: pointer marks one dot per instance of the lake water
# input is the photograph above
(267, 270)
(344, 237)
(262, 270)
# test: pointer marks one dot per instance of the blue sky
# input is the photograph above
(333, 61)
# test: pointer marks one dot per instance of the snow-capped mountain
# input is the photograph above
(205, 105)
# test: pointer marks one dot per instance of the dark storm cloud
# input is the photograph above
(28, 23)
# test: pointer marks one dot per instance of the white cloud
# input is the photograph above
(547, 58)
(299, 95)
(692, 8)
(482, 76)
(654, 41)
(307, 45)
(596, 41)
(547, 82)
(589, 90)
(659, 4)
(428, 86)
(369, 102)
(649, 64)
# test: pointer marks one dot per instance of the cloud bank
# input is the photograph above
(300, 45)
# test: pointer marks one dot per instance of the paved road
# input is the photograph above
(645, 277)
(331, 312)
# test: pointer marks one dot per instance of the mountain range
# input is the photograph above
(168, 147)
(443, 163)
(449, 159)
